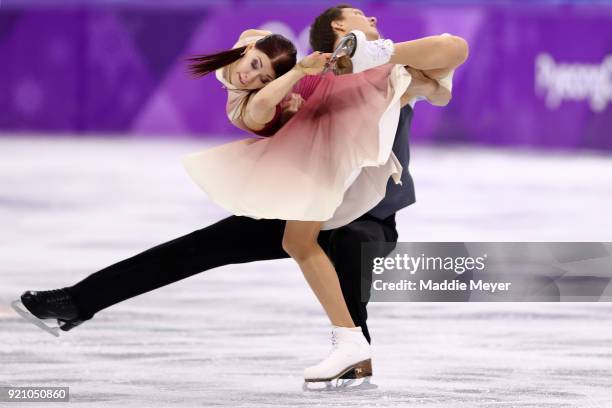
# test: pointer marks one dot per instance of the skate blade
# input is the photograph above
(358, 370)
(347, 46)
(340, 385)
(22, 311)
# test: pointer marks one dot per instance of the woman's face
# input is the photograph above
(252, 71)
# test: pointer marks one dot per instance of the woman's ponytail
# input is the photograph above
(205, 64)
(281, 51)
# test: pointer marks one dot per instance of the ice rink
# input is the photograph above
(240, 336)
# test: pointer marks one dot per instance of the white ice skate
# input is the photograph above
(348, 362)
(364, 54)
(370, 54)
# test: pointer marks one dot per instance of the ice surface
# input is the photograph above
(239, 336)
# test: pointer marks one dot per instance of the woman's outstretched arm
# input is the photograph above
(261, 107)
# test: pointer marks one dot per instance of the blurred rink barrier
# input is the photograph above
(539, 73)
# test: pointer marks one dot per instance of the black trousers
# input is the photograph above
(230, 241)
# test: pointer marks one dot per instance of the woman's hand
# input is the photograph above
(422, 85)
(314, 63)
(290, 106)
(292, 103)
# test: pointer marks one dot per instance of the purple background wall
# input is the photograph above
(537, 76)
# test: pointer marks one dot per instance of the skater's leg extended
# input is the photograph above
(300, 242)
(229, 241)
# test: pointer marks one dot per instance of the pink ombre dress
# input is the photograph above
(330, 162)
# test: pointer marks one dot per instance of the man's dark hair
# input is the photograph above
(322, 35)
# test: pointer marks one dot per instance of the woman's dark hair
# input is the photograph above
(322, 35)
(281, 51)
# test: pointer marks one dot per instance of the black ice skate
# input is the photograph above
(56, 304)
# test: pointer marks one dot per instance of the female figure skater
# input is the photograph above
(324, 168)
